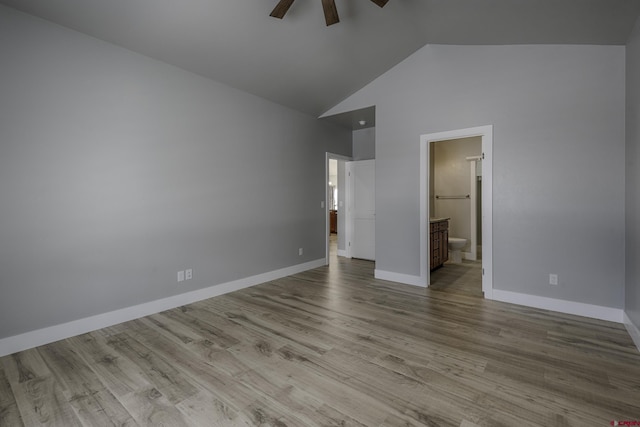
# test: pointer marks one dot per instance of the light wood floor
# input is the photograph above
(331, 347)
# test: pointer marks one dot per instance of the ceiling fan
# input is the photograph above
(329, 7)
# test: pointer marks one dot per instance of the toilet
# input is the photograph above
(455, 249)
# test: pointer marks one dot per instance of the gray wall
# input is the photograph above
(558, 175)
(632, 287)
(364, 144)
(116, 171)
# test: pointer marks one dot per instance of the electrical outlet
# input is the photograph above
(188, 274)
(322, 204)
(181, 276)
(299, 251)
(553, 279)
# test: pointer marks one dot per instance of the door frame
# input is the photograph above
(486, 133)
(334, 156)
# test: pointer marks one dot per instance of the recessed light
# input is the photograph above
(362, 122)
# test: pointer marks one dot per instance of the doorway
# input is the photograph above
(426, 208)
(455, 178)
(335, 205)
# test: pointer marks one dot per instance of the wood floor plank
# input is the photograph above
(161, 373)
(25, 366)
(332, 417)
(117, 373)
(93, 403)
(165, 323)
(280, 335)
(151, 408)
(204, 330)
(9, 412)
(332, 346)
(323, 385)
(206, 409)
(197, 371)
(282, 399)
(42, 402)
(520, 384)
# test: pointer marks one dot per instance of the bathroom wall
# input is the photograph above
(452, 177)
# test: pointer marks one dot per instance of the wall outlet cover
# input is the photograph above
(181, 276)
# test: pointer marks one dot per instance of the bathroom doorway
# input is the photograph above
(442, 196)
(455, 190)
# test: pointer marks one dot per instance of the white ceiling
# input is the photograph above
(301, 63)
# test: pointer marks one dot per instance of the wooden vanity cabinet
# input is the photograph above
(439, 232)
(333, 221)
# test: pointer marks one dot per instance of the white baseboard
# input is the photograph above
(50, 334)
(633, 330)
(342, 252)
(562, 306)
(407, 279)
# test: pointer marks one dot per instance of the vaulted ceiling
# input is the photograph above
(303, 64)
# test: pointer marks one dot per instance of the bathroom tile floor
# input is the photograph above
(464, 278)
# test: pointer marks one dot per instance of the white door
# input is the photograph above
(361, 209)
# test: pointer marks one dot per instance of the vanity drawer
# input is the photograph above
(438, 242)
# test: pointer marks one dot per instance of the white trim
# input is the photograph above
(486, 132)
(50, 334)
(473, 207)
(425, 268)
(633, 330)
(487, 212)
(347, 209)
(562, 306)
(407, 279)
(342, 252)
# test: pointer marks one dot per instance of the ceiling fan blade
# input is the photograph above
(380, 3)
(330, 12)
(281, 8)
